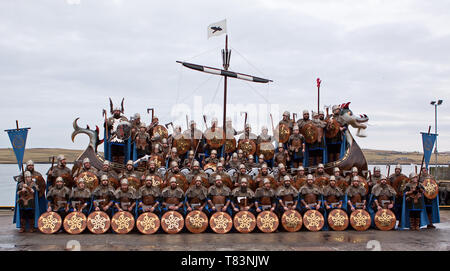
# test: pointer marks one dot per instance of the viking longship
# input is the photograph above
(350, 154)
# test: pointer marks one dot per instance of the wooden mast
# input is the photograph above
(226, 63)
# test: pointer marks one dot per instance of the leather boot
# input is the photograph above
(430, 225)
(31, 221)
(412, 223)
(418, 223)
(22, 225)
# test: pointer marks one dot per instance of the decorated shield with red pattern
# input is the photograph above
(122, 222)
(172, 222)
(90, 179)
(98, 222)
(338, 220)
(49, 222)
(75, 223)
(313, 220)
(244, 222)
(360, 220)
(267, 221)
(221, 222)
(431, 188)
(148, 223)
(385, 219)
(196, 221)
(291, 220)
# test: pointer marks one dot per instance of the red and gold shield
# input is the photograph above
(385, 219)
(291, 220)
(342, 184)
(49, 222)
(161, 130)
(321, 181)
(248, 146)
(244, 222)
(360, 220)
(157, 181)
(182, 144)
(68, 180)
(431, 188)
(310, 132)
(313, 220)
(98, 222)
(90, 179)
(332, 128)
(134, 182)
(148, 223)
(215, 138)
(122, 222)
(267, 149)
(267, 221)
(75, 223)
(221, 222)
(338, 220)
(299, 182)
(282, 133)
(158, 159)
(196, 221)
(172, 222)
(230, 145)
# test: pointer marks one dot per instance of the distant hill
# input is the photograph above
(42, 155)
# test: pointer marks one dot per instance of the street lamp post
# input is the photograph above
(435, 104)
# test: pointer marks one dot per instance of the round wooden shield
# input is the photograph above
(181, 181)
(90, 179)
(49, 222)
(172, 222)
(332, 128)
(267, 149)
(113, 182)
(158, 159)
(313, 220)
(299, 182)
(230, 145)
(157, 181)
(431, 188)
(385, 219)
(221, 222)
(244, 222)
(161, 130)
(122, 129)
(75, 223)
(182, 144)
(122, 222)
(322, 181)
(68, 180)
(291, 220)
(360, 220)
(98, 222)
(282, 133)
(134, 182)
(267, 221)
(196, 221)
(248, 146)
(216, 138)
(310, 132)
(397, 183)
(338, 220)
(148, 223)
(342, 184)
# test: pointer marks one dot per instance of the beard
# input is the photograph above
(243, 188)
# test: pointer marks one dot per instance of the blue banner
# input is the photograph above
(428, 144)
(18, 139)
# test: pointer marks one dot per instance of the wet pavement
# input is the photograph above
(349, 240)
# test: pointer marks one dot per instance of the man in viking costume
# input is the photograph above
(149, 197)
(265, 197)
(243, 198)
(296, 146)
(321, 177)
(356, 195)
(106, 170)
(27, 207)
(287, 196)
(219, 196)
(58, 198)
(281, 156)
(111, 124)
(239, 175)
(196, 172)
(334, 143)
(125, 197)
(197, 196)
(173, 197)
(103, 196)
(414, 211)
(86, 168)
(129, 171)
(80, 198)
(310, 196)
(333, 195)
(59, 171)
(383, 195)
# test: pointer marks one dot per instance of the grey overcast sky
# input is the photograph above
(62, 59)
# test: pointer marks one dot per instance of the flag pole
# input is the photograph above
(226, 64)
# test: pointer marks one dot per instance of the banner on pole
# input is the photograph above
(18, 138)
(428, 141)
